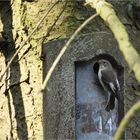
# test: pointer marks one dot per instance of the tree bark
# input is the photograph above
(21, 105)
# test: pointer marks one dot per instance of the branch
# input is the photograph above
(54, 23)
(25, 41)
(126, 120)
(63, 51)
(107, 13)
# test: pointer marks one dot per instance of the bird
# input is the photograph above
(108, 79)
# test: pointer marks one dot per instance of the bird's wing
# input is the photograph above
(109, 77)
(118, 85)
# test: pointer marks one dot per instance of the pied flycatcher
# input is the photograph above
(107, 76)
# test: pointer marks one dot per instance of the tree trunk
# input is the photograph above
(21, 108)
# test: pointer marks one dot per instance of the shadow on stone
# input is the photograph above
(8, 50)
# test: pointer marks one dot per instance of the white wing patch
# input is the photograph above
(118, 85)
(112, 87)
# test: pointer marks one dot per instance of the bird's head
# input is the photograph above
(104, 64)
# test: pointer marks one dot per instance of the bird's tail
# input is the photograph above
(111, 103)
